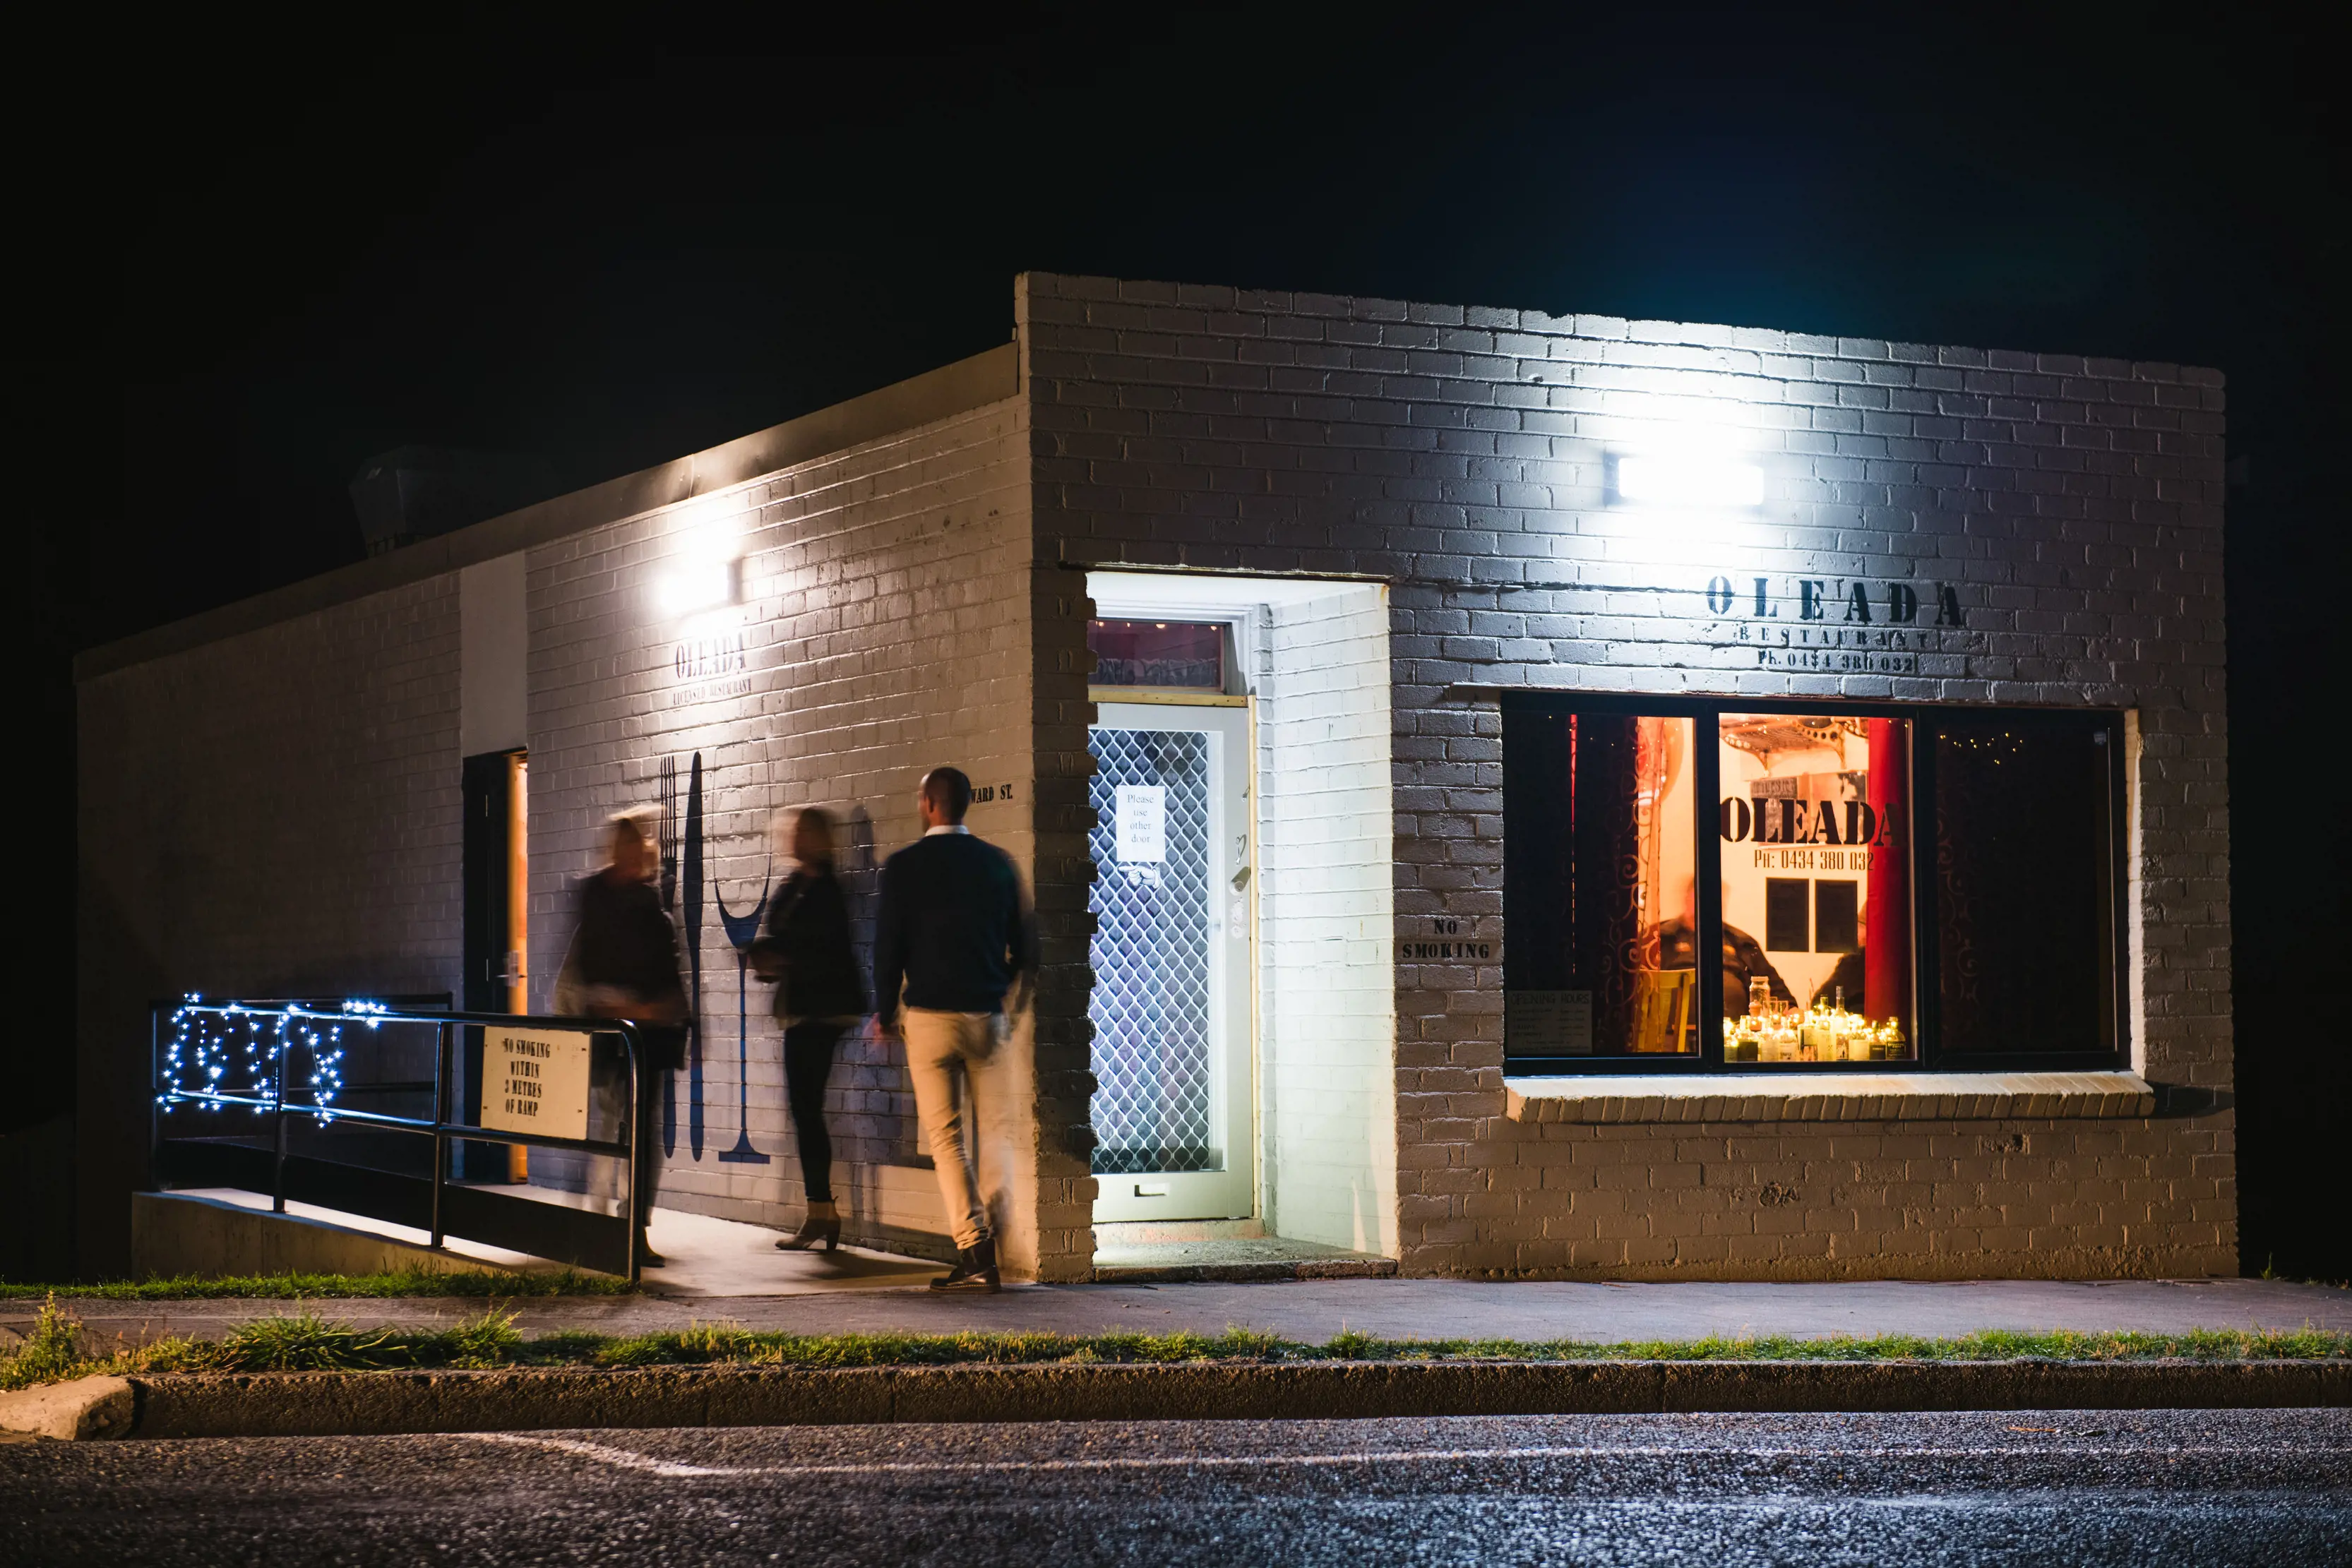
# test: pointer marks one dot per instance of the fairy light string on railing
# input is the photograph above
(225, 1055)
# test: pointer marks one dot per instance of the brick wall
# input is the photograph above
(885, 630)
(272, 814)
(2073, 504)
(276, 810)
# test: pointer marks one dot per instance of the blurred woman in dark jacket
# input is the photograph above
(623, 965)
(820, 996)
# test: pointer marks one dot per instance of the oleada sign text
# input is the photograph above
(1787, 822)
(700, 658)
(1848, 601)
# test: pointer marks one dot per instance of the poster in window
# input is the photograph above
(1142, 825)
(1549, 1023)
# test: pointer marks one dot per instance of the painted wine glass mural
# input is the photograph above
(742, 930)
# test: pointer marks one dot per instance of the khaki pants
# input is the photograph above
(938, 1044)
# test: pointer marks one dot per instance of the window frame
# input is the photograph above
(1924, 948)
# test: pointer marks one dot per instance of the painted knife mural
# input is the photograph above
(682, 895)
(669, 904)
(690, 933)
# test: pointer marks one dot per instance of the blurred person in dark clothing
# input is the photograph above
(820, 996)
(623, 965)
(1743, 960)
(1844, 986)
(956, 933)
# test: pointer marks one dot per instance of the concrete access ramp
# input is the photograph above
(217, 1235)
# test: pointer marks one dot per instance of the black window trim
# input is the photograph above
(1707, 781)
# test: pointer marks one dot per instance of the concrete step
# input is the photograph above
(1123, 1257)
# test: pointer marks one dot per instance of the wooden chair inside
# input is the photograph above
(1662, 1000)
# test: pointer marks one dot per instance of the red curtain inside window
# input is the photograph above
(1886, 922)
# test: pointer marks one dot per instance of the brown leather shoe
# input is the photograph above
(975, 1270)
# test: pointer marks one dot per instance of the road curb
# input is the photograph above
(383, 1403)
(75, 1411)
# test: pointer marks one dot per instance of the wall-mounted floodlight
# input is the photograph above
(705, 569)
(1687, 480)
(697, 583)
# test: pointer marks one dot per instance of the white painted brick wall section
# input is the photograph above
(273, 814)
(887, 631)
(1328, 999)
(1458, 454)
(278, 813)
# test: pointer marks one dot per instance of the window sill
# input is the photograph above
(1830, 1097)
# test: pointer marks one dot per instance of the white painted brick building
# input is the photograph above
(1413, 522)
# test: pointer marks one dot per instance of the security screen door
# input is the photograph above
(1171, 961)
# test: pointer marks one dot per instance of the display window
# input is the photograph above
(1606, 853)
(1880, 887)
(1180, 655)
(2027, 838)
(1814, 822)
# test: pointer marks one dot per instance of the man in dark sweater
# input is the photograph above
(955, 934)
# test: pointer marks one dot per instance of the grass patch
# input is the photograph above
(304, 1341)
(306, 1287)
(51, 1352)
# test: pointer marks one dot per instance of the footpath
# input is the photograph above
(863, 1345)
(847, 1300)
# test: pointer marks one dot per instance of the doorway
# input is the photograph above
(1174, 960)
(1294, 1000)
(495, 937)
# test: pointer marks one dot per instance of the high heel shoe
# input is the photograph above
(820, 1228)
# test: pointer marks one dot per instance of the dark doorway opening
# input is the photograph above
(496, 933)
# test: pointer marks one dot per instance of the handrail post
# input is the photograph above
(154, 1099)
(277, 1162)
(629, 1178)
(440, 1123)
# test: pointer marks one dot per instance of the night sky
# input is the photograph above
(262, 258)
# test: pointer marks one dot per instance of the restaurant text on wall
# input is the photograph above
(712, 666)
(1856, 625)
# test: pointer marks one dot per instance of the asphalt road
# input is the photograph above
(2211, 1488)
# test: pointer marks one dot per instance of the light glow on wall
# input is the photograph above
(697, 584)
(706, 570)
(1688, 480)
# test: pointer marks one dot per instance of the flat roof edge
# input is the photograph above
(951, 389)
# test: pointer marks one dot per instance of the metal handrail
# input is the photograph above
(440, 1127)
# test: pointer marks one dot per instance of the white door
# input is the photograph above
(1171, 962)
